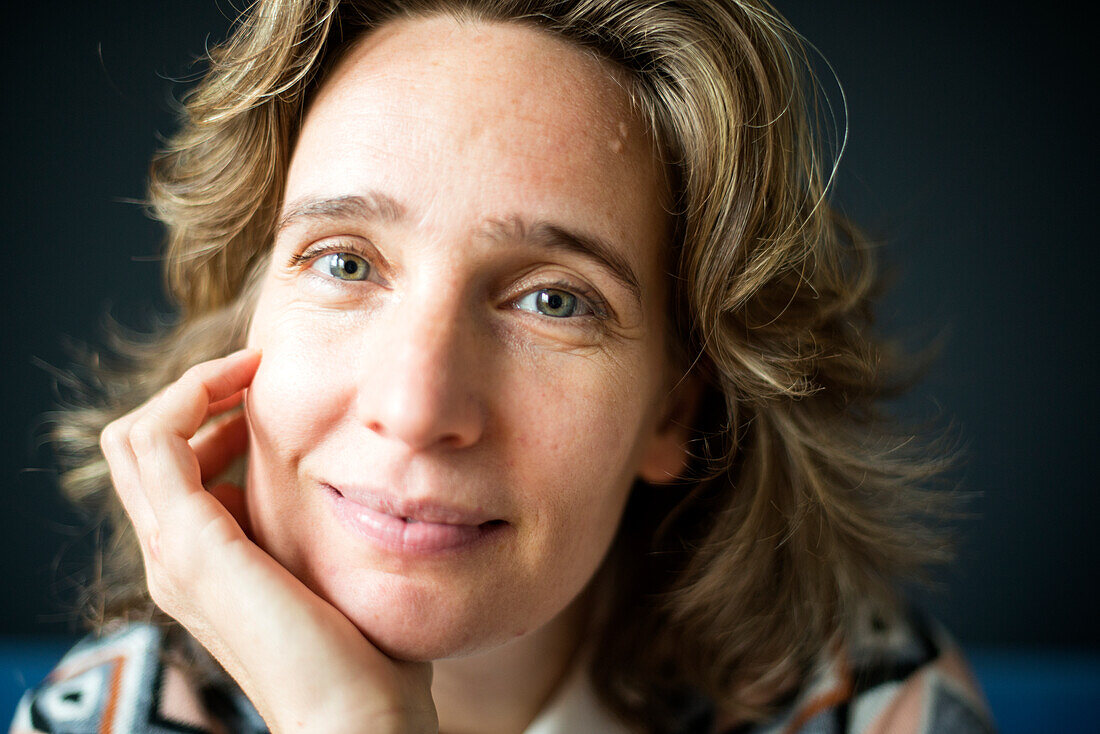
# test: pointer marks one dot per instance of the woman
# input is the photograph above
(556, 396)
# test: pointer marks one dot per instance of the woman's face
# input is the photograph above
(464, 362)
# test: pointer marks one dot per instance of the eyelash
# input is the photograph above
(305, 258)
(596, 304)
(600, 310)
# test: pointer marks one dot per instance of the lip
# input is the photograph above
(412, 526)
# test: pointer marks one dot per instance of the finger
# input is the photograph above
(125, 478)
(115, 443)
(166, 463)
(215, 407)
(220, 406)
(185, 404)
(218, 443)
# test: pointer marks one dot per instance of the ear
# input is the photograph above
(666, 458)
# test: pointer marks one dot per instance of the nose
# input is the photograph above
(420, 376)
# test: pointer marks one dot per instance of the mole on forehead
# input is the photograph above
(618, 143)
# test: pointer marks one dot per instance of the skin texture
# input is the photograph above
(436, 386)
(428, 381)
(231, 595)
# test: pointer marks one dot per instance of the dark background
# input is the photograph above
(968, 156)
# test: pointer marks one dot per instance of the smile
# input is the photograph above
(412, 528)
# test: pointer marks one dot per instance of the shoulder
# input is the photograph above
(134, 678)
(896, 674)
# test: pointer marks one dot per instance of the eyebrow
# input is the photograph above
(550, 236)
(374, 206)
(377, 206)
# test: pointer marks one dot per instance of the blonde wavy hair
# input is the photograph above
(803, 502)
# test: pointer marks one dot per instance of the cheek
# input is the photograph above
(302, 384)
(588, 417)
(293, 402)
(576, 443)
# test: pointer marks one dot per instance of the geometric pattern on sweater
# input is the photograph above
(124, 683)
(898, 674)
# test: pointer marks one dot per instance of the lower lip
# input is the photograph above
(395, 535)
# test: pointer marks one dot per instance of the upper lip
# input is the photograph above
(418, 509)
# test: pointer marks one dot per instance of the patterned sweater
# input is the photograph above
(900, 676)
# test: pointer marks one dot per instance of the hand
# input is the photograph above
(303, 664)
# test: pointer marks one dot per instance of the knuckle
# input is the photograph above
(111, 436)
(143, 436)
(194, 380)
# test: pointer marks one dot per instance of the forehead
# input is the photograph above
(501, 116)
(522, 74)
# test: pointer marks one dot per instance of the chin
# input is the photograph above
(421, 648)
(412, 621)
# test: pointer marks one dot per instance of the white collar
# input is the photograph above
(575, 708)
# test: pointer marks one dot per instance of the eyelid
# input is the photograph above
(597, 306)
(332, 246)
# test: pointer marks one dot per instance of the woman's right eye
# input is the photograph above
(342, 266)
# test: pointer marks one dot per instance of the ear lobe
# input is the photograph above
(667, 456)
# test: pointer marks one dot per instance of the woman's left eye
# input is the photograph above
(555, 303)
(343, 266)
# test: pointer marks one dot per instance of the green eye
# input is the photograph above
(552, 302)
(343, 266)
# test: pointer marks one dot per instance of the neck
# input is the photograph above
(502, 690)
